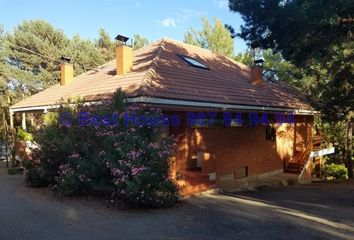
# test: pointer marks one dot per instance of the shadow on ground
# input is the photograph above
(305, 212)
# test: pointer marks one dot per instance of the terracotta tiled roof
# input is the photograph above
(160, 73)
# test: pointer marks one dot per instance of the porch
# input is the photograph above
(308, 163)
(245, 157)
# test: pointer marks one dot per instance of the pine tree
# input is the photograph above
(316, 36)
(84, 55)
(32, 53)
(106, 45)
(216, 38)
(140, 41)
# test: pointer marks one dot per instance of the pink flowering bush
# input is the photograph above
(127, 163)
(140, 167)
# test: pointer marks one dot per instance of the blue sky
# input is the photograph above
(152, 19)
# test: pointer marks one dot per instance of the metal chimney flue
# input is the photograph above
(122, 40)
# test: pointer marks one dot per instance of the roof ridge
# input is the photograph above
(206, 50)
(94, 69)
(183, 43)
(150, 72)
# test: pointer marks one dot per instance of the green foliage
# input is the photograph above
(245, 58)
(334, 133)
(128, 162)
(311, 39)
(33, 51)
(336, 84)
(106, 45)
(23, 135)
(216, 38)
(5, 94)
(34, 178)
(30, 56)
(29, 164)
(301, 29)
(337, 171)
(284, 70)
(15, 171)
(311, 35)
(51, 118)
(119, 101)
(72, 183)
(140, 41)
(34, 70)
(84, 55)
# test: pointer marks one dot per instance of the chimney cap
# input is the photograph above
(121, 38)
(259, 62)
(66, 59)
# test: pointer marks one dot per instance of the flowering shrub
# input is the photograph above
(139, 167)
(129, 163)
(70, 181)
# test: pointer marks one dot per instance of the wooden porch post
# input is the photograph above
(24, 121)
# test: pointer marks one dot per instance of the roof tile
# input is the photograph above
(159, 72)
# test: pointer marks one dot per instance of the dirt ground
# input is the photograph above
(315, 211)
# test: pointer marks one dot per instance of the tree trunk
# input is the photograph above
(13, 148)
(349, 149)
(5, 137)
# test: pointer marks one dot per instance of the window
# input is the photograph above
(193, 62)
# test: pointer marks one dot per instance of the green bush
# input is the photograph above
(35, 178)
(14, 171)
(337, 171)
(23, 135)
(129, 163)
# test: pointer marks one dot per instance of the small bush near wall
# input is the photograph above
(337, 171)
(127, 163)
(34, 178)
(14, 171)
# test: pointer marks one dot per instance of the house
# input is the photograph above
(193, 82)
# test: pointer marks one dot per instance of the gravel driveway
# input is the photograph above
(316, 211)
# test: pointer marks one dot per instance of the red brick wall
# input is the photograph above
(237, 147)
(228, 148)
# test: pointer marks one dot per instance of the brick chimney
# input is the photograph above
(257, 72)
(257, 75)
(66, 71)
(124, 55)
